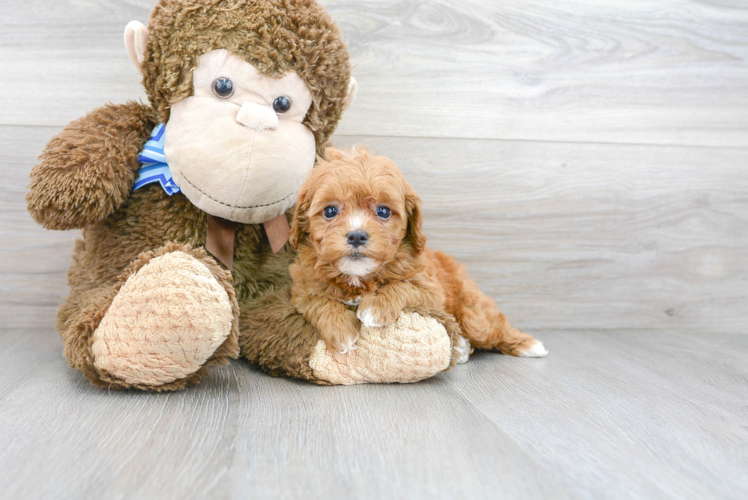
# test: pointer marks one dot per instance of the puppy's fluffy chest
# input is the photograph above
(350, 289)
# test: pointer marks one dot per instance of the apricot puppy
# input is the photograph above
(362, 259)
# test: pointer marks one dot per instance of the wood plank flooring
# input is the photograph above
(563, 236)
(622, 414)
(671, 72)
(587, 160)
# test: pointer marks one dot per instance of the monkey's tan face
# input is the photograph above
(238, 148)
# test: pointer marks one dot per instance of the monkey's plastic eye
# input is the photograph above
(282, 104)
(383, 213)
(330, 212)
(223, 87)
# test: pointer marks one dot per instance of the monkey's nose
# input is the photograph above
(257, 116)
(357, 238)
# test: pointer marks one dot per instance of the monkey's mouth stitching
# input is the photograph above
(236, 206)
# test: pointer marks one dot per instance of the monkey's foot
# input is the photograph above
(413, 348)
(167, 321)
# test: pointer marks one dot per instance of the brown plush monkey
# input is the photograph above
(248, 93)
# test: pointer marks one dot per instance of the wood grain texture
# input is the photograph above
(33, 261)
(585, 159)
(563, 236)
(619, 403)
(607, 415)
(589, 236)
(672, 72)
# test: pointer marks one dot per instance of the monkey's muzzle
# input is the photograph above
(244, 166)
(257, 116)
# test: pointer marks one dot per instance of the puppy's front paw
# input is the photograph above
(341, 336)
(372, 312)
(342, 342)
(370, 318)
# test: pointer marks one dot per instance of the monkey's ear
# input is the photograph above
(352, 88)
(136, 38)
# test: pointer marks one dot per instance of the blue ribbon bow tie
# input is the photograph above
(153, 164)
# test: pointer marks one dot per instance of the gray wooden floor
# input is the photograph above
(587, 160)
(617, 414)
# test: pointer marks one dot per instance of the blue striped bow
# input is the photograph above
(153, 164)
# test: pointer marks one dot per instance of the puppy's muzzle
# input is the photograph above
(357, 238)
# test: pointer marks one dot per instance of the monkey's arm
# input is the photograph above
(277, 339)
(87, 171)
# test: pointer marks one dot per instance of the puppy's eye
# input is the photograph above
(281, 104)
(330, 212)
(223, 87)
(383, 213)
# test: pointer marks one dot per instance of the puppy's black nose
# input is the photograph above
(357, 238)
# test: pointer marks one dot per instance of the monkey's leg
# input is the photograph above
(172, 314)
(280, 341)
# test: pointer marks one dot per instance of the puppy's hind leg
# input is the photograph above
(487, 328)
(481, 322)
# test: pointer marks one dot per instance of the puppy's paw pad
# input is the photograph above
(463, 349)
(369, 318)
(536, 350)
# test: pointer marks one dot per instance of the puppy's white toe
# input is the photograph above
(463, 348)
(368, 318)
(348, 346)
(537, 350)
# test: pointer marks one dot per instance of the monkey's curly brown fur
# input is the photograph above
(87, 172)
(117, 237)
(276, 36)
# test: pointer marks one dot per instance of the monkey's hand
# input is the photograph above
(87, 171)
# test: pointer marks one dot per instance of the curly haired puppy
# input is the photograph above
(362, 259)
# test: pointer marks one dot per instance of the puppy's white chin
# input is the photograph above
(358, 267)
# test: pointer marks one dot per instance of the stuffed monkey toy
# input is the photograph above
(184, 205)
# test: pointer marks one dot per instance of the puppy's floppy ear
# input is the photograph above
(332, 154)
(414, 233)
(300, 224)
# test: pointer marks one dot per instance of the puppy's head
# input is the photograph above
(357, 213)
